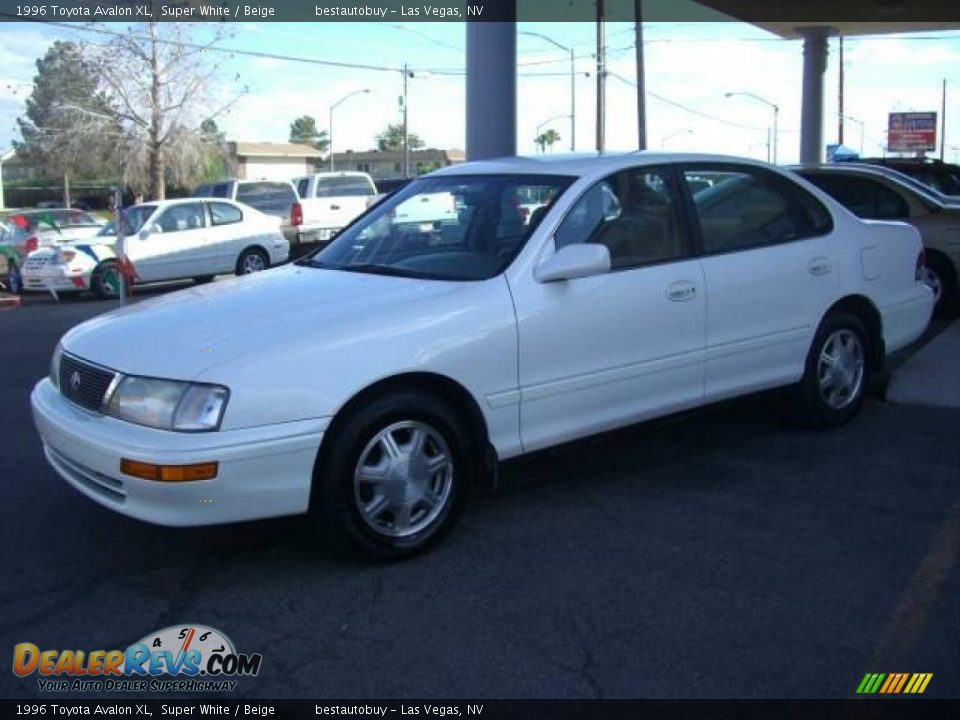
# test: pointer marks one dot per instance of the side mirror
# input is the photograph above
(574, 261)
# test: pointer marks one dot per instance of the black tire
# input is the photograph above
(940, 268)
(248, 258)
(14, 278)
(203, 279)
(106, 279)
(812, 400)
(337, 496)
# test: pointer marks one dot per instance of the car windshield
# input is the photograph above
(133, 218)
(445, 228)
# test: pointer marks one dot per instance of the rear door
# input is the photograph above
(228, 233)
(769, 273)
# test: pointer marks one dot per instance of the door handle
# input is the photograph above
(819, 266)
(334, 207)
(681, 292)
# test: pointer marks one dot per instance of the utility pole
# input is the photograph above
(406, 142)
(601, 75)
(943, 119)
(641, 85)
(840, 98)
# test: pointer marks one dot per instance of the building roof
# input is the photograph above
(276, 150)
(6, 154)
(420, 154)
(850, 17)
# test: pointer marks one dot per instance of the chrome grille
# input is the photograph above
(83, 383)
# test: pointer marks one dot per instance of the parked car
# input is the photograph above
(875, 193)
(942, 177)
(23, 231)
(165, 240)
(10, 260)
(409, 360)
(275, 198)
(330, 201)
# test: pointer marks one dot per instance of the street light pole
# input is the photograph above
(861, 124)
(776, 116)
(573, 84)
(332, 107)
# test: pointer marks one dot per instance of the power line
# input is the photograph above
(688, 109)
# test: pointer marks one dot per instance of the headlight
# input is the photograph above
(55, 367)
(168, 404)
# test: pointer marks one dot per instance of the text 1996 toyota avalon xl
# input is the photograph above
(563, 297)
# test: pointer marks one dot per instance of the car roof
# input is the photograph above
(853, 168)
(583, 164)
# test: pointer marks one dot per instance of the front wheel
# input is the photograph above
(835, 375)
(252, 260)
(395, 475)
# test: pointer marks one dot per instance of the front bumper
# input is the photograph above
(263, 471)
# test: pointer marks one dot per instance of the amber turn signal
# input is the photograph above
(168, 473)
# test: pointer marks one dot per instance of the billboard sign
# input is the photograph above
(912, 131)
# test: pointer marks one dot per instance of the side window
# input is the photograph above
(746, 208)
(223, 214)
(889, 205)
(633, 213)
(177, 218)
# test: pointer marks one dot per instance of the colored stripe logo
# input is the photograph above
(894, 683)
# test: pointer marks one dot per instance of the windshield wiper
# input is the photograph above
(389, 270)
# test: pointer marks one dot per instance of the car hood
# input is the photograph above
(184, 334)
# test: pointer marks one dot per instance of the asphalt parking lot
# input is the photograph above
(721, 554)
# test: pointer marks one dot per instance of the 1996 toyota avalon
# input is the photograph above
(373, 383)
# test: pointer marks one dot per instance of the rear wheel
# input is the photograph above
(835, 377)
(941, 278)
(395, 475)
(105, 282)
(252, 260)
(14, 279)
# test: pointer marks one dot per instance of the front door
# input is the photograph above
(176, 245)
(603, 351)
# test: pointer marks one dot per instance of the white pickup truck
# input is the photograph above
(330, 201)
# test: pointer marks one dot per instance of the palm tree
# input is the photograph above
(547, 139)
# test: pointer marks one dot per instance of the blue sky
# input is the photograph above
(692, 64)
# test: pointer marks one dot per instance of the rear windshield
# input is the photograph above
(343, 186)
(220, 190)
(52, 219)
(272, 198)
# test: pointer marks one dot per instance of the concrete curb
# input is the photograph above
(8, 302)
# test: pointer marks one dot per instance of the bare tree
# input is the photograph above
(160, 82)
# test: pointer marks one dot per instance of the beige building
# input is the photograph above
(271, 161)
(382, 164)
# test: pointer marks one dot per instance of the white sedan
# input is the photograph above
(164, 240)
(410, 358)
